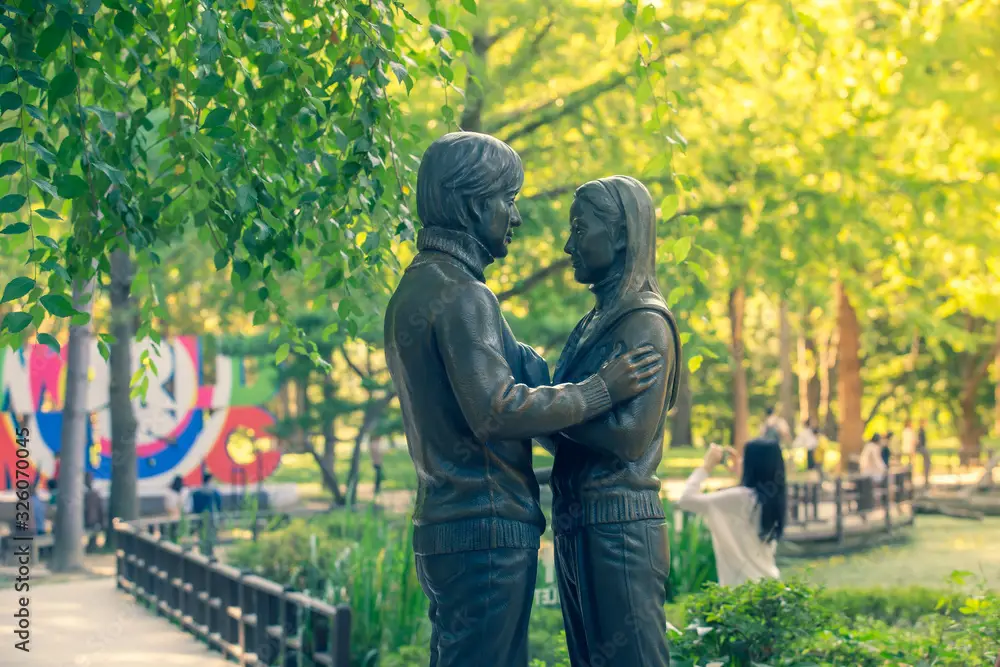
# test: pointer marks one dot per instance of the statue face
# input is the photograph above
(590, 246)
(496, 226)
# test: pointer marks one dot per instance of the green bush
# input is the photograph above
(362, 558)
(789, 624)
(692, 557)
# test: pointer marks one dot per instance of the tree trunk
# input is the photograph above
(302, 411)
(67, 555)
(123, 503)
(680, 427)
(804, 377)
(330, 439)
(825, 370)
(996, 371)
(849, 387)
(787, 392)
(741, 397)
(372, 413)
(970, 428)
(475, 83)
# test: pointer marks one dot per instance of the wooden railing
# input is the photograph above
(833, 509)
(250, 619)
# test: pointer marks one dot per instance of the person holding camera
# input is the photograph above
(745, 521)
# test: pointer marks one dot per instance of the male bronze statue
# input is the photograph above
(612, 553)
(471, 398)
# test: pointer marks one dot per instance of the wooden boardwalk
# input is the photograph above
(92, 624)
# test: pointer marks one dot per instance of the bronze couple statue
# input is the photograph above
(473, 398)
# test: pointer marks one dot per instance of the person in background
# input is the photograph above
(745, 521)
(775, 428)
(806, 439)
(819, 453)
(925, 453)
(887, 444)
(909, 443)
(93, 512)
(37, 508)
(872, 463)
(206, 502)
(375, 451)
(53, 486)
(175, 502)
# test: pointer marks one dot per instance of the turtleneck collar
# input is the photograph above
(606, 290)
(461, 245)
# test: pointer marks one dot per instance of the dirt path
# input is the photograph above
(89, 623)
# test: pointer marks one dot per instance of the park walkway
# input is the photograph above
(90, 623)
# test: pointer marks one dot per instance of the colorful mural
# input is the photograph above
(183, 425)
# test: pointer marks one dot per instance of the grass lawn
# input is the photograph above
(398, 470)
(939, 545)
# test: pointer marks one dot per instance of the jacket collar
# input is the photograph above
(462, 246)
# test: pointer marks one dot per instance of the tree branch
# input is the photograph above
(527, 54)
(538, 276)
(350, 364)
(550, 111)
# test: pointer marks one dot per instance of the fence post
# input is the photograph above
(342, 636)
(887, 500)
(838, 496)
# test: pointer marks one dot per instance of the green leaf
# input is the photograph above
(70, 186)
(109, 122)
(9, 168)
(44, 153)
(10, 101)
(7, 74)
(694, 363)
(281, 354)
(958, 577)
(241, 267)
(16, 322)
(17, 288)
(682, 248)
(33, 79)
(246, 199)
(470, 6)
(221, 132)
(668, 207)
(437, 33)
(11, 203)
(10, 135)
(48, 214)
(624, 28)
(50, 341)
(15, 228)
(460, 41)
(210, 86)
(57, 304)
(399, 70)
(216, 117)
(49, 40)
(125, 22)
(221, 259)
(63, 84)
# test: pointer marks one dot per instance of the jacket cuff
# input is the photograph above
(596, 398)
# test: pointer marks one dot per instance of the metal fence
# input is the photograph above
(832, 509)
(255, 621)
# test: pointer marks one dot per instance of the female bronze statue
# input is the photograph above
(612, 554)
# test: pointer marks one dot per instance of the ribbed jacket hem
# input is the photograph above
(569, 514)
(474, 535)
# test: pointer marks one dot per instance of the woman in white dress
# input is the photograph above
(745, 521)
